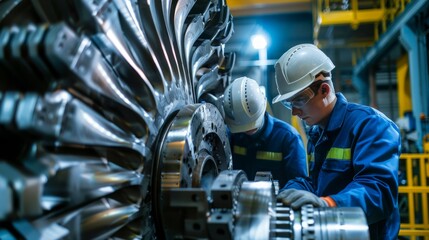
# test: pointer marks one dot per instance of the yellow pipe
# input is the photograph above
(351, 17)
(246, 3)
(355, 10)
(404, 90)
(255, 7)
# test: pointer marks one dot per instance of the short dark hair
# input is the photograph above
(325, 74)
(316, 84)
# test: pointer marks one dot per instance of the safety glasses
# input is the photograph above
(299, 102)
(303, 97)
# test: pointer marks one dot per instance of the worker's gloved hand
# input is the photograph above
(297, 198)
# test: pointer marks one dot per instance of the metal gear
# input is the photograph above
(89, 90)
(308, 222)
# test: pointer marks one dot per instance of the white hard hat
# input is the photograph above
(244, 105)
(297, 68)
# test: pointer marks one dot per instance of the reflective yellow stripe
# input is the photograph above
(339, 154)
(239, 150)
(271, 156)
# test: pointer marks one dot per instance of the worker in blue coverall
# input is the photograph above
(353, 149)
(260, 142)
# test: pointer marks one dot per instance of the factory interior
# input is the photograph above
(112, 124)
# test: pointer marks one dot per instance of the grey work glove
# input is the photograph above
(298, 198)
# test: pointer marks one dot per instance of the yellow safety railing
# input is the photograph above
(414, 196)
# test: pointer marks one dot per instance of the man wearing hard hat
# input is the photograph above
(260, 142)
(353, 149)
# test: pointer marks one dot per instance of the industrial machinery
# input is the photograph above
(111, 128)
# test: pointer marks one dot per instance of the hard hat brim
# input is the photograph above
(246, 127)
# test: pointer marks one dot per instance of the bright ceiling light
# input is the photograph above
(259, 41)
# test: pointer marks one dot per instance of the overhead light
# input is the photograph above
(259, 41)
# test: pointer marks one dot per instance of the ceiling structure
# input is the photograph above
(284, 23)
(343, 29)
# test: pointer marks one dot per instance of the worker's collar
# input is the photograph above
(337, 115)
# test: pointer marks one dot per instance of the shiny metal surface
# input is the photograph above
(319, 223)
(88, 90)
(111, 127)
(255, 210)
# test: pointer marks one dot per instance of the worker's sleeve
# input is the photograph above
(294, 158)
(300, 183)
(375, 156)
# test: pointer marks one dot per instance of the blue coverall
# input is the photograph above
(354, 160)
(277, 148)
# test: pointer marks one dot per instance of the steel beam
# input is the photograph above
(414, 40)
(390, 37)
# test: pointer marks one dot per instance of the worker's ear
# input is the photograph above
(325, 88)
